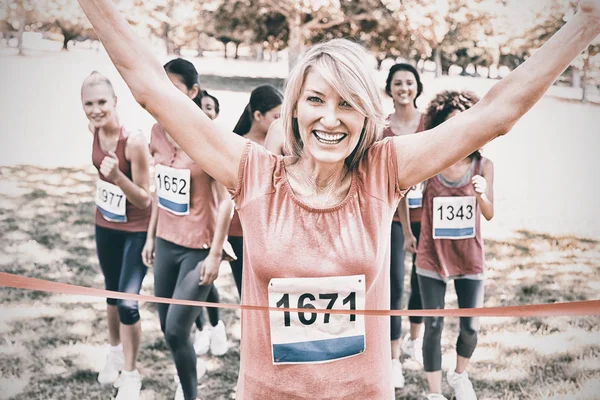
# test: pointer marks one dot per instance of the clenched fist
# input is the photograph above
(109, 167)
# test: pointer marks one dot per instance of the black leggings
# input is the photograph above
(433, 291)
(397, 255)
(414, 300)
(237, 266)
(213, 312)
(176, 275)
(120, 257)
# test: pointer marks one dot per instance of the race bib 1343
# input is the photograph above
(454, 217)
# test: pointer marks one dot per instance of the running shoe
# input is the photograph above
(115, 360)
(413, 348)
(218, 340)
(463, 388)
(129, 385)
(435, 396)
(397, 375)
(202, 341)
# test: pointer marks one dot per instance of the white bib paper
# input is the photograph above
(454, 217)
(111, 201)
(414, 197)
(173, 189)
(310, 338)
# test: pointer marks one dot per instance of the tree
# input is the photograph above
(19, 16)
(67, 18)
(306, 16)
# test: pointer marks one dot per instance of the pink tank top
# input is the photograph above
(449, 258)
(137, 219)
(196, 229)
(414, 213)
(284, 238)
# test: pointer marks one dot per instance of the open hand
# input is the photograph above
(148, 253)
(209, 270)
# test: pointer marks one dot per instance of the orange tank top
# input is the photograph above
(189, 221)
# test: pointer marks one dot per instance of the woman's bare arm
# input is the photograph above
(213, 148)
(426, 154)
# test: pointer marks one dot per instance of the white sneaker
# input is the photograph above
(413, 348)
(202, 341)
(463, 388)
(435, 396)
(397, 375)
(218, 340)
(115, 360)
(129, 385)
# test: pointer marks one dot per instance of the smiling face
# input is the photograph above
(99, 104)
(329, 126)
(403, 88)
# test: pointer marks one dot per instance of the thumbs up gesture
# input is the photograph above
(109, 167)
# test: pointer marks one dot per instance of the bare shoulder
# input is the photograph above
(488, 166)
(137, 145)
(275, 139)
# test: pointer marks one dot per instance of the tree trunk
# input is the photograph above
(437, 59)
(586, 67)
(20, 36)
(236, 55)
(168, 44)
(296, 40)
(224, 49)
(199, 45)
(575, 77)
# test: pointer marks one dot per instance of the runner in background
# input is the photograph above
(203, 337)
(122, 215)
(185, 239)
(404, 86)
(262, 110)
(451, 248)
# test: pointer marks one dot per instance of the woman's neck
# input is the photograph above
(111, 129)
(256, 135)
(405, 113)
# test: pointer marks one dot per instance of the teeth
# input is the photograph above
(330, 137)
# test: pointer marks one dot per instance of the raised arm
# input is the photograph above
(428, 153)
(213, 148)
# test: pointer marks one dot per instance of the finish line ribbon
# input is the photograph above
(574, 308)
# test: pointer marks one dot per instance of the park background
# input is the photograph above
(542, 246)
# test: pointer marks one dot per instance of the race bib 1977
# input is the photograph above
(111, 201)
(305, 337)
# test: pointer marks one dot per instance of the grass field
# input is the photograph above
(543, 245)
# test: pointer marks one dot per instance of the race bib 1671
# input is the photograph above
(305, 337)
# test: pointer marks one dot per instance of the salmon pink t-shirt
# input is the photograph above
(284, 238)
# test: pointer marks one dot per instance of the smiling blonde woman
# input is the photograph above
(318, 222)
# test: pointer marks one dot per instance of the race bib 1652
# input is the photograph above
(173, 189)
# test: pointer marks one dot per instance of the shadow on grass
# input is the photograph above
(237, 83)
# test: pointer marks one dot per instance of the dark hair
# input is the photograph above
(188, 74)
(404, 67)
(444, 103)
(263, 98)
(217, 107)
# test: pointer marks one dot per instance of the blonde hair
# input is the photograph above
(96, 78)
(342, 64)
